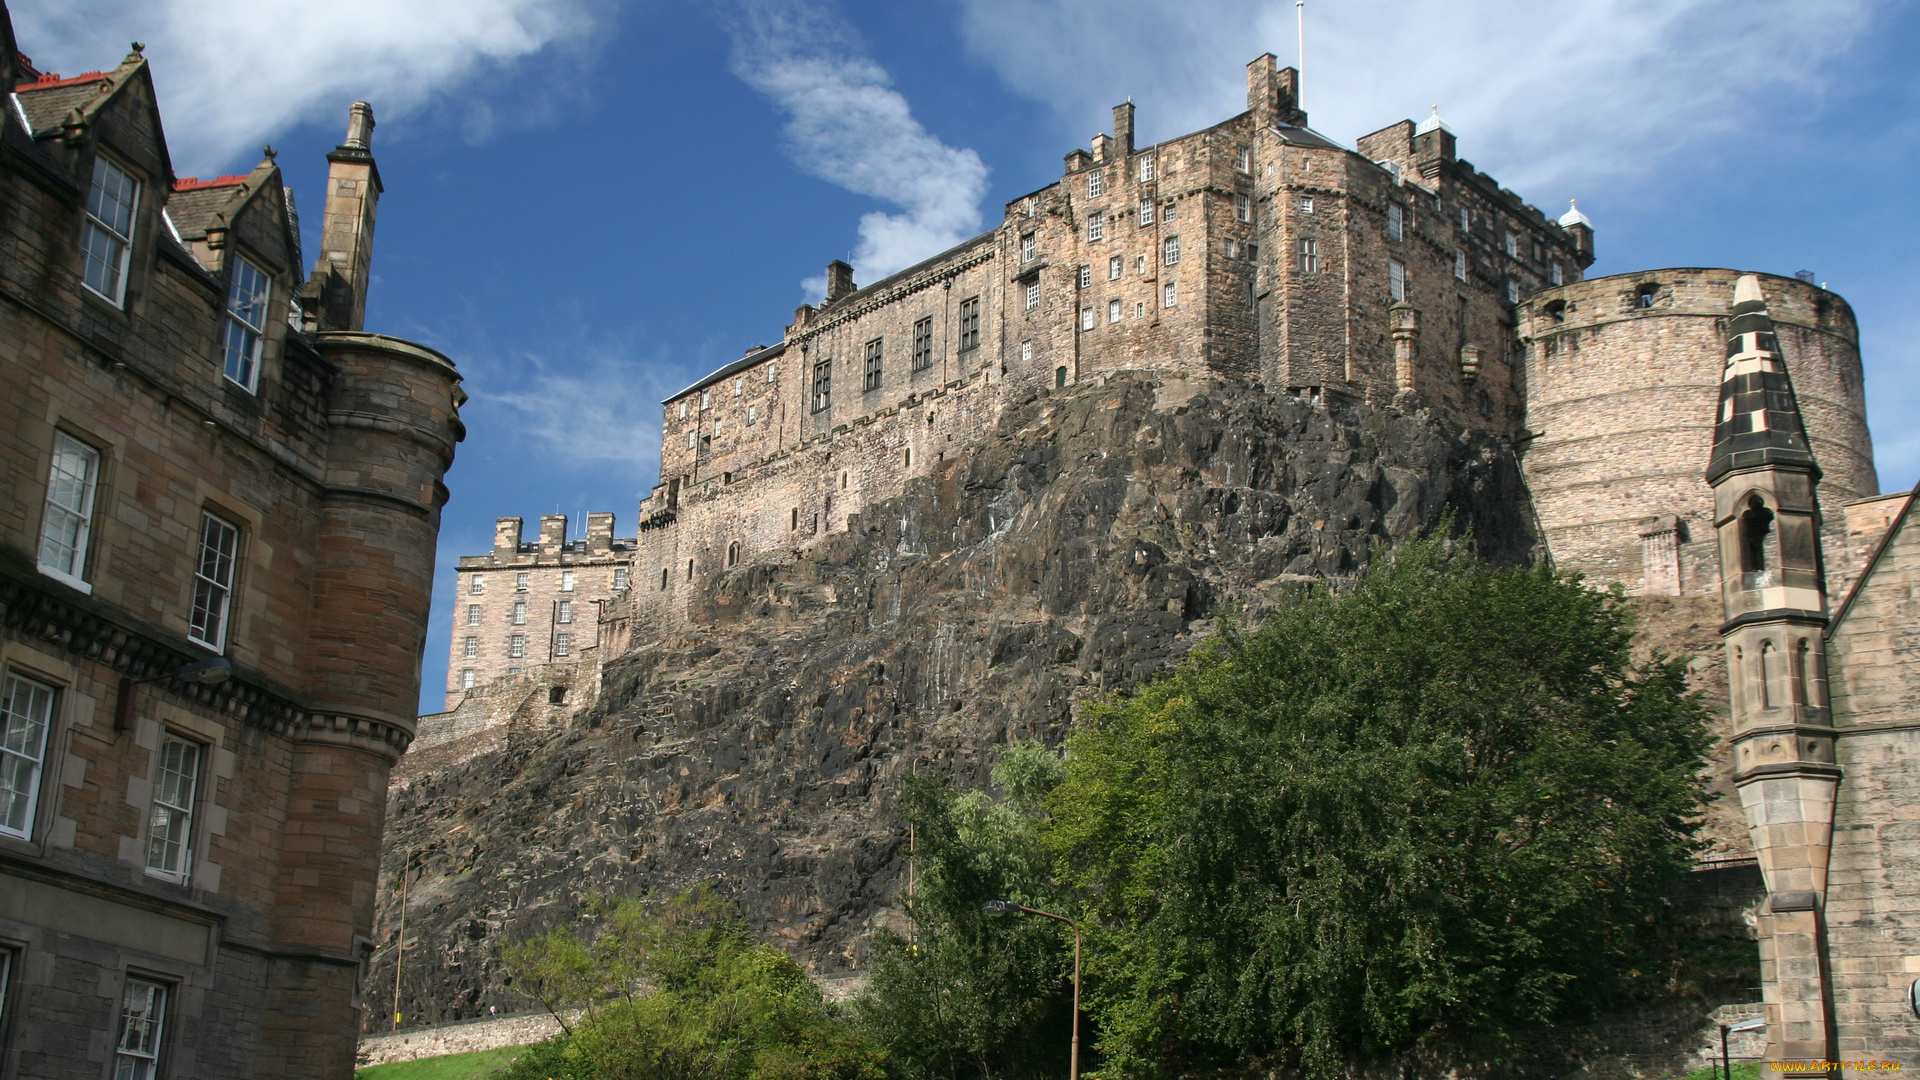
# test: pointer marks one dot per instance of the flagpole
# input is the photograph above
(1300, 80)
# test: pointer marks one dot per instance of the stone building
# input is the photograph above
(216, 549)
(528, 605)
(1826, 714)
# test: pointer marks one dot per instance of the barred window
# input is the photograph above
(923, 344)
(107, 239)
(27, 714)
(1170, 251)
(871, 380)
(143, 1017)
(1309, 256)
(176, 780)
(970, 323)
(822, 385)
(1096, 226)
(213, 582)
(247, 293)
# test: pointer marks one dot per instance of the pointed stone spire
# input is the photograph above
(1759, 420)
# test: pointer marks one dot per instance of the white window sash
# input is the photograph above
(176, 783)
(26, 715)
(113, 200)
(72, 482)
(248, 294)
(143, 1019)
(213, 582)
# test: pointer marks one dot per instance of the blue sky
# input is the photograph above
(590, 203)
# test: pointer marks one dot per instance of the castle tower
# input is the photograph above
(1773, 589)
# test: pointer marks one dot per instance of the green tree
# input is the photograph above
(972, 995)
(1440, 804)
(680, 991)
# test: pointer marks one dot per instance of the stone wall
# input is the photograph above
(533, 591)
(460, 1037)
(1620, 398)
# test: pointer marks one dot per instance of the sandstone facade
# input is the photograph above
(205, 469)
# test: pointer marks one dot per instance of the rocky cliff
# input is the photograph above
(1086, 545)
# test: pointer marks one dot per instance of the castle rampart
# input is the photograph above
(1619, 382)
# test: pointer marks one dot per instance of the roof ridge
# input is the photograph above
(1873, 559)
(190, 183)
(49, 80)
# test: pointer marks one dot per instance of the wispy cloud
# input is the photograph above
(847, 125)
(1551, 95)
(595, 407)
(233, 73)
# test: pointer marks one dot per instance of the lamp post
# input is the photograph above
(1002, 907)
(210, 672)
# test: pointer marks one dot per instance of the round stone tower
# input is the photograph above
(1621, 381)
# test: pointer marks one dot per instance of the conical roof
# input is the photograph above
(1759, 422)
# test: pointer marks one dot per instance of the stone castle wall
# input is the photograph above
(535, 592)
(1620, 395)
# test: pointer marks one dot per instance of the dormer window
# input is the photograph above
(247, 293)
(107, 240)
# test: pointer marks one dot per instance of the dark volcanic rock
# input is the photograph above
(1085, 546)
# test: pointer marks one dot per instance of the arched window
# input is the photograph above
(1802, 673)
(1756, 529)
(733, 553)
(1737, 676)
(1773, 676)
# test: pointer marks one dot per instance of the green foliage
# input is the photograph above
(680, 991)
(973, 994)
(473, 1066)
(1439, 804)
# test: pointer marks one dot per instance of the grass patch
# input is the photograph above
(471, 1066)
(1742, 1070)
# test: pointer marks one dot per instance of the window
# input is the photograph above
(1140, 265)
(563, 611)
(1646, 296)
(870, 381)
(27, 713)
(1460, 265)
(1242, 208)
(1309, 256)
(1306, 204)
(1554, 275)
(739, 385)
(247, 294)
(473, 614)
(512, 671)
(1033, 295)
(107, 239)
(520, 581)
(1146, 211)
(1244, 159)
(733, 553)
(1028, 249)
(753, 413)
(663, 579)
(693, 440)
(1170, 295)
(176, 777)
(213, 582)
(683, 410)
(1170, 251)
(1086, 318)
(1513, 291)
(1396, 222)
(519, 613)
(619, 577)
(476, 585)
(69, 515)
(1086, 275)
(1512, 246)
(1146, 167)
(1466, 220)
(716, 427)
(471, 650)
(1396, 280)
(143, 1017)
(1096, 185)
(1167, 210)
(517, 646)
(467, 678)
(706, 400)
(923, 344)
(970, 323)
(773, 372)
(563, 644)
(822, 386)
(1096, 226)
(1026, 352)
(1230, 249)
(1114, 268)
(1113, 311)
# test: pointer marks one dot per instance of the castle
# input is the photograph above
(1258, 253)
(216, 555)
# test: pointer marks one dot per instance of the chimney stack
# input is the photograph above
(600, 533)
(506, 536)
(839, 280)
(553, 533)
(1123, 128)
(339, 282)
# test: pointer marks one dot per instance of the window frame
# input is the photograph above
(476, 585)
(923, 343)
(468, 677)
(516, 646)
(567, 577)
(474, 614)
(822, 385)
(89, 488)
(518, 616)
(563, 611)
(1242, 207)
(621, 577)
(92, 223)
(207, 587)
(1308, 255)
(1115, 311)
(1396, 281)
(872, 374)
(186, 807)
(37, 764)
(1096, 226)
(1029, 247)
(470, 648)
(1096, 184)
(147, 1059)
(969, 324)
(1396, 222)
(1170, 251)
(1086, 318)
(1146, 210)
(1033, 295)
(1146, 168)
(1116, 267)
(563, 643)
(1170, 294)
(253, 336)
(1460, 266)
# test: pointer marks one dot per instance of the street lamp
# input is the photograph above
(1005, 907)
(210, 672)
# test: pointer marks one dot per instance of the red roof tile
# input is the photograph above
(190, 183)
(50, 80)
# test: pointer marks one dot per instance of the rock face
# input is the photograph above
(1086, 545)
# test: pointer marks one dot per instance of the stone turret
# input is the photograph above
(1773, 591)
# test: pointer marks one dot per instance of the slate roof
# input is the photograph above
(1759, 421)
(194, 202)
(49, 100)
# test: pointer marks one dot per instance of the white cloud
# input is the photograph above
(597, 407)
(1544, 96)
(233, 73)
(847, 125)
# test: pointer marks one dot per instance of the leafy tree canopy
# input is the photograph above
(1438, 803)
